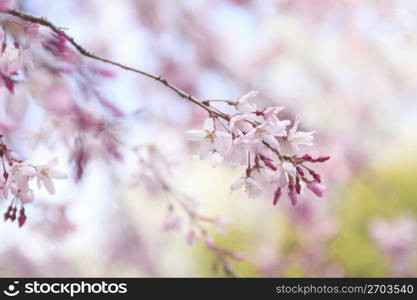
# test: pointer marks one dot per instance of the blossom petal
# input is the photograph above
(49, 185)
(195, 135)
(237, 184)
(56, 174)
(223, 142)
(209, 124)
(253, 189)
(216, 159)
(53, 162)
(205, 147)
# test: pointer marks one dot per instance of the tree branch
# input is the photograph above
(44, 22)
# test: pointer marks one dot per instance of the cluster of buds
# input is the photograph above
(16, 178)
(266, 146)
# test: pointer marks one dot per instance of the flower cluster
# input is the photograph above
(14, 183)
(265, 145)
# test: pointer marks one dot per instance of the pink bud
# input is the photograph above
(316, 188)
(293, 197)
(297, 185)
(277, 195)
(270, 164)
(307, 157)
(22, 217)
(323, 158)
(300, 171)
(315, 176)
(7, 214)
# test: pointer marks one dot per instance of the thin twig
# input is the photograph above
(58, 30)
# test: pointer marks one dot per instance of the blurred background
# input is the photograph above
(347, 67)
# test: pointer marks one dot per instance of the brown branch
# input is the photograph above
(44, 22)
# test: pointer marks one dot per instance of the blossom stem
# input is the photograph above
(58, 30)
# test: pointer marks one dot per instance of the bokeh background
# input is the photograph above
(347, 67)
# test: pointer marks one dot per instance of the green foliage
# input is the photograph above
(388, 192)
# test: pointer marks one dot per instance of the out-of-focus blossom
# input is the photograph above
(398, 239)
(16, 178)
(45, 174)
(6, 5)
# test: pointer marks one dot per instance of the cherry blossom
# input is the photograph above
(45, 174)
(244, 103)
(214, 144)
(251, 186)
(297, 138)
(17, 175)
(262, 143)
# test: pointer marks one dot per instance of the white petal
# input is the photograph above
(56, 174)
(289, 168)
(209, 124)
(49, 185)
(205, 148)
(295, 126)
(223, 142)
(26, 196)
(253, 188)
(244, 105)
(279, 129)
(271, 141)
(248, 96)
(196, 135)
(273, 110)
(216, 159)
(237, 184)
(53, 162)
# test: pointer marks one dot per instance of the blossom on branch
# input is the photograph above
(262, 143)
(214, 144)
(16, 177)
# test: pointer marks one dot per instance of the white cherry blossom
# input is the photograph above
(214, 144)
(297, 138)
(265, 133)
(250, 185)
(244, 104)
(45, 174)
